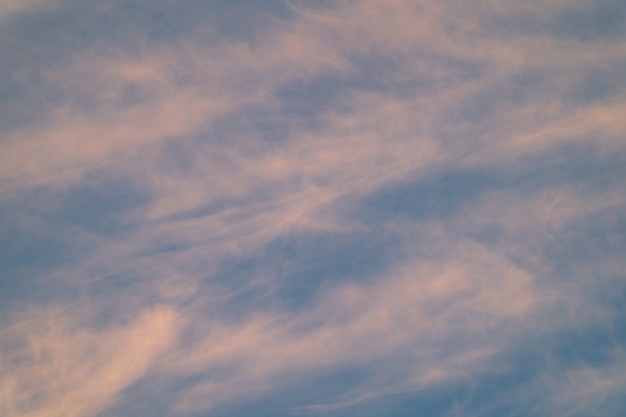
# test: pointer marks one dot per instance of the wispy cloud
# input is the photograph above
(442, 319)
(58, 368)
(13, 8)
(477, 145)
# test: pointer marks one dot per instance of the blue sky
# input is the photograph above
(312, 208)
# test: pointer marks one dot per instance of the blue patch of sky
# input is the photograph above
(311, 99)
(445, 194)
(178, 157)
(262, 122)
(592, 345)
(38, 43)
(24, 247)
(25, 95)
(50, 38)
(26, 256)
(30, 251)
(577, 345)
(286, 398)
(320, 261)
(600, 20)
(296, 268)
(475, 113)
(437, 198)
(598, 84)
(513, 387)
(585, 163)
(405, 403)
(244, 20)
(496, 395)
(584, 257)
(598, 236)
(292, 398)
(102, 205)
(371, 73)
(211, 21)
(139, 399)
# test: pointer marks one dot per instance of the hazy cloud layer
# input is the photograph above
(287, 208)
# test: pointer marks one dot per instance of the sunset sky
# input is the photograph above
(276, 208)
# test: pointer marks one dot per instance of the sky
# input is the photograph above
(312, 208)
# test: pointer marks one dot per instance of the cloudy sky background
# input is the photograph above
(312, 208)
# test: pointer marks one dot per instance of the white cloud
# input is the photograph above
(52, 366)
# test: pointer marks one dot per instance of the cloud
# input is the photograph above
(442, 319)
(12, 8)
(240, 144)
(164, 92)
(586, 388)
(56, 367)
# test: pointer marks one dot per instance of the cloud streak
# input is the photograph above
(61, 369)
(205, 191)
